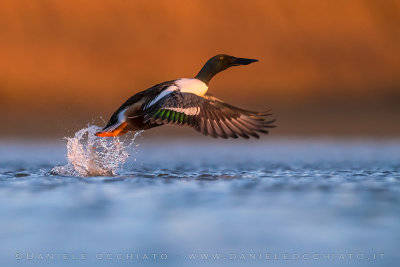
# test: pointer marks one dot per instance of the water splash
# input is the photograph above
(89, 155)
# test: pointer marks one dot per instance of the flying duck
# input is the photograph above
(185, 102)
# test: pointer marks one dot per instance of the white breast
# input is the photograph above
(194, 86)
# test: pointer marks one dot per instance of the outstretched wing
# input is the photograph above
(208, 115)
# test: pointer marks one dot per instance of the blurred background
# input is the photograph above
(327, 68)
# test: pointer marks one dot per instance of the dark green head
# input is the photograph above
(219, 63)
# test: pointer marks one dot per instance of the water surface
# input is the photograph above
(182, 198)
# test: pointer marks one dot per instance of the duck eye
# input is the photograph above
(221, 58)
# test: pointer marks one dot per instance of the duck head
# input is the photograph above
(219, 63)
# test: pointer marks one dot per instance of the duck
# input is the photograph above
(185, 102)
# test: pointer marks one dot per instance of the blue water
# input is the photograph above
(314, 202)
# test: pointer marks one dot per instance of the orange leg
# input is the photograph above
(120, 130)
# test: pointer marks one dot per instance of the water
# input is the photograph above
(89, 155)
(241, 200)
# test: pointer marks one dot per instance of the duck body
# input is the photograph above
(130, 115)
(185, 102)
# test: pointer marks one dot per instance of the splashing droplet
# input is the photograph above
(89, 155)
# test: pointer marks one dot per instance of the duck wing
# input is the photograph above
(117, 119)
(208, 115)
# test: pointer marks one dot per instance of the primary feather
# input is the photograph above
(208, 115)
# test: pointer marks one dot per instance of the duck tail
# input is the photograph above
(113, 130)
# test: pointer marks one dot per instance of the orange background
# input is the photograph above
(326, 67)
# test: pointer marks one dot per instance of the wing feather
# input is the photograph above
(208, 115)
